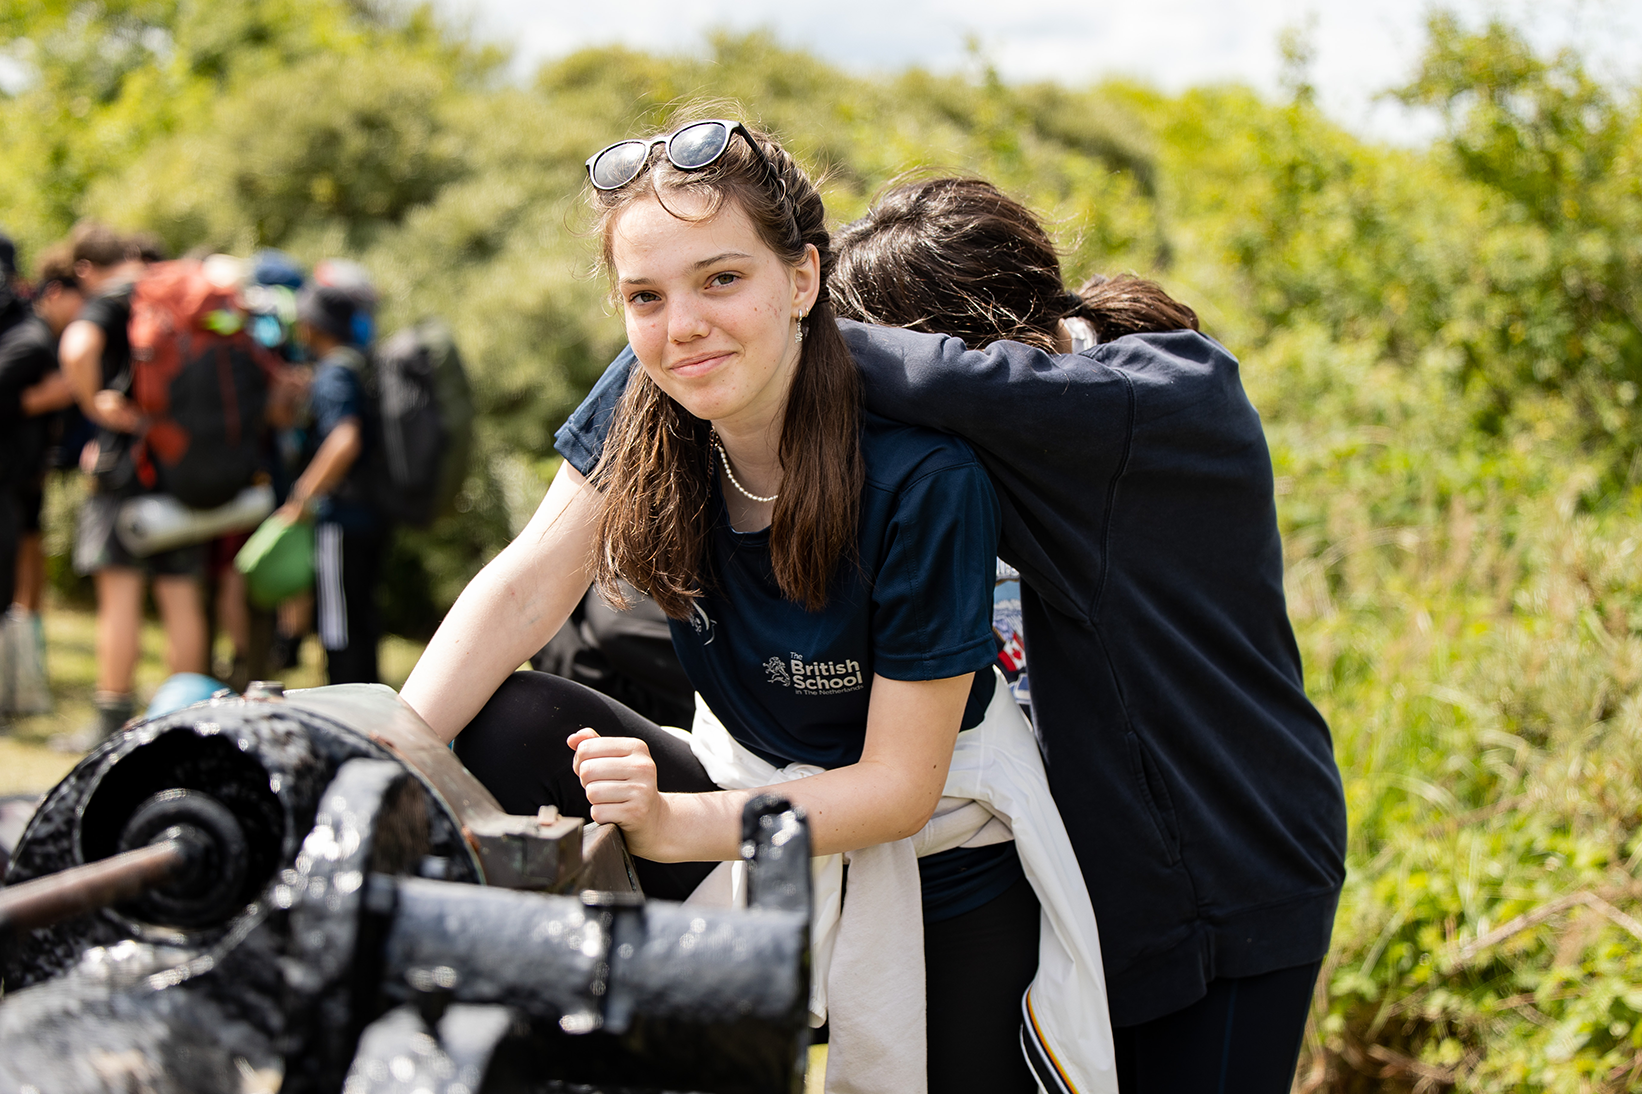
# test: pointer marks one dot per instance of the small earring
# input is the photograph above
(798, 335)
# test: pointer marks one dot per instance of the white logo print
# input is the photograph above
(701, 623)
(816, 677)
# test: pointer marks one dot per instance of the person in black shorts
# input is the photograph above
(31, 389)
(96, 356)
(43, 395)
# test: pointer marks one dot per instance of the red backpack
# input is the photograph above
(202, 382)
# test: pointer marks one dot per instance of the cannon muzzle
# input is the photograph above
(182, 865)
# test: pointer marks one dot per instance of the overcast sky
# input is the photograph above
(1362, 46)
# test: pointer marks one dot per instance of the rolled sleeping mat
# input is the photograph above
(159, 522)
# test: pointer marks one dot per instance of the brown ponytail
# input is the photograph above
(1127, 304)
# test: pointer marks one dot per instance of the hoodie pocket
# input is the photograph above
(1159, 806)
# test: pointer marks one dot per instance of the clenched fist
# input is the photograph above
(619, 777)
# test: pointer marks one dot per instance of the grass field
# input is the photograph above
(32, 748)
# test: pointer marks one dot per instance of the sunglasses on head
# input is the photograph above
(697, 145)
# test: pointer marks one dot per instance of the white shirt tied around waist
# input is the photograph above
(867, 965)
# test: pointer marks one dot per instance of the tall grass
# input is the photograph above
(1471, 621)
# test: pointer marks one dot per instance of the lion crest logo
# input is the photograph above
(701, 622)
(778, 672)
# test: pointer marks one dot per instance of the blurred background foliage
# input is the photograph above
(1445, 345)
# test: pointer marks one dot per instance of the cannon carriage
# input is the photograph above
(306, 892)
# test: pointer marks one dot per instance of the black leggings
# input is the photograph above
(1243, 1037)
(515, 746)
(977, 964)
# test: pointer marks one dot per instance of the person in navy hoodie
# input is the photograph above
(1196, 779)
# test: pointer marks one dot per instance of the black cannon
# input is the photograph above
(307, 893)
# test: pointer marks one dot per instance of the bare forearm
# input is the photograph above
(887, 795)
(330, 464)
(508, 611)
(81, 355)
(847, 808)
(494, 626)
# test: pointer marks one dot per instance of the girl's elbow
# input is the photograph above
(912, 820)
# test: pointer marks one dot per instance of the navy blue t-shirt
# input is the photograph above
(338, 393)
(794, 685)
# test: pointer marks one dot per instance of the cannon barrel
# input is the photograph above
(81, 889)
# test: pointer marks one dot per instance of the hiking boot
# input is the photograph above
(114, 710)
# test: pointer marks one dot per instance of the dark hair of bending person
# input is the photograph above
(958, 256)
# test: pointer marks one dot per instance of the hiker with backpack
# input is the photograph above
(393, 426)
(336, 488)
(165, 367)
(96, 358)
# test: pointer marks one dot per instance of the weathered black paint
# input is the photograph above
(322, 956)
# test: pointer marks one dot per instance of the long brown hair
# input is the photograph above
(653, 527)
(957, 256)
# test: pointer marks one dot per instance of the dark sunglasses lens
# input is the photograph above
(618, 164)
(695, 146)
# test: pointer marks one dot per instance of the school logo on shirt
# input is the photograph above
(816, 677)
(701, 622)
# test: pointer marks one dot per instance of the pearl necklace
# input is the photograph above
(746, 493)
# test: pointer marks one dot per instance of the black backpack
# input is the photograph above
(424, 434)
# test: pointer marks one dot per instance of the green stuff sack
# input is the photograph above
(277, 561)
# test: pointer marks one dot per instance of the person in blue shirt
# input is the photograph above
(827, 574)
(334, 490)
